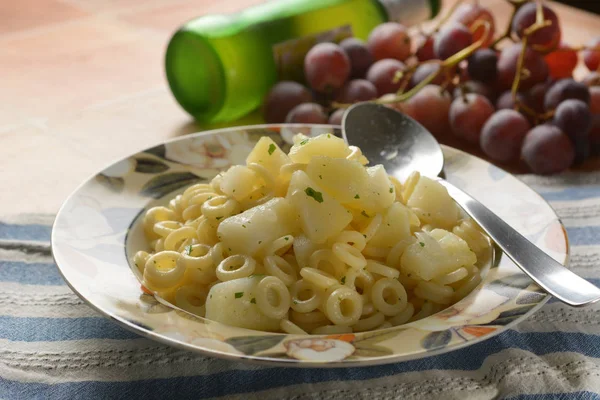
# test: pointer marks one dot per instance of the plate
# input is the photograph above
(97, 230)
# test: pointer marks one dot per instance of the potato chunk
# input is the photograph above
(269, 155)
(322, 145)
(433, 205)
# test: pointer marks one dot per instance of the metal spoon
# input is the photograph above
(402, 145)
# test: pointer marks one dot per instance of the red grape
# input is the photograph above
(467, 115)
(592, 79)
(562, 62)
(381, 74)
(476, 87)
(357, 90)
(425, 48)
(336, 117)
(563, 90)
(282, 97)
(594, 136)
(573, 117)
(595, 99)
(307, 113)
(469, 14)
(482, 66)
(451, 39)
(547, 150)
(535, 97)
(505, 100)
(360, 56)
(503, 134)
(389, 40)
(546, 38)
(423, 71)
(326, 67)
(430, 107)
(533, 61)
(591, 58)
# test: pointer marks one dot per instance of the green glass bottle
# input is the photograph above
(220, 67)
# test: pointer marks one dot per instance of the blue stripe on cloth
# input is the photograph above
(584, 235)
(558, 396)
(34, 232)
(30, 273)
(220, 384)
(54, 329)
(572, 193)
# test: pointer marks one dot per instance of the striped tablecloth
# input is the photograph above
(53, 346)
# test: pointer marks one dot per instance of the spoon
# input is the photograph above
(402, 145)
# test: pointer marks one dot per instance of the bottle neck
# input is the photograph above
(410, 12)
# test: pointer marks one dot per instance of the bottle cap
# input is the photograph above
(407, 12)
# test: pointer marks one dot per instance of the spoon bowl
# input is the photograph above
(408, 146)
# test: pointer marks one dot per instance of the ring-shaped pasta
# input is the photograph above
(368, 309)
(192, 298)
(404, 316)
(326, 261)
(369, 323)
(353, 238)
(451, 277)
(469, 285)
(434, 292)
(264, 173)
(289, 169)
(349, 255)
(154, 215)
(139, 260)
(197, 257)
(203, 276)
(256, 198)
(158, 245)
(162, 271)
(361, 281)
(409, 185)
(389, 296)
(376, 252)
(393, 257)
(176, 207)
(288, 326)
(272, 288)
(343, 306)
(164, 228)
(376, 268)
(175, 238)
(373, 227)
(192, 191)
(305, 298)
(291, 259)
(215, 184)
(217, 253)
(192, 212)
(206, 232)
(278, 267)
(331, 330)
(426, 310)
(219, 207)
(280, 245)
(318, 278)
(385, 325)
(312, 317)
(201, 196)
(235, 267)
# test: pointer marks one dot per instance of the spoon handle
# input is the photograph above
(549, 274)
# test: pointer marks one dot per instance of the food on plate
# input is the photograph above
(313, 241)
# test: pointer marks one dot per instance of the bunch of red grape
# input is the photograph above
(518, 104)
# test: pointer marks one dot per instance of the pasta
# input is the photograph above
(313, 241)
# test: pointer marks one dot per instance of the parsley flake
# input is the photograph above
(188, 250)
(343, 280)
(302, 143)
(243, 226)
(218, 218)
(295, 301)
(422, 244)
(328, 136)
(310, 192)
(239, 294)
(357, 197)
(260, 241)
(253, 301)
(271, 148)
(287, 238)
(365, 214)
(391, 189)
(365, 236)
(320, 177)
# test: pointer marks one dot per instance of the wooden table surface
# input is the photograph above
(82, 84)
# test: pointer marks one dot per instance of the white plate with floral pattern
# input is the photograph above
(97, 231)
